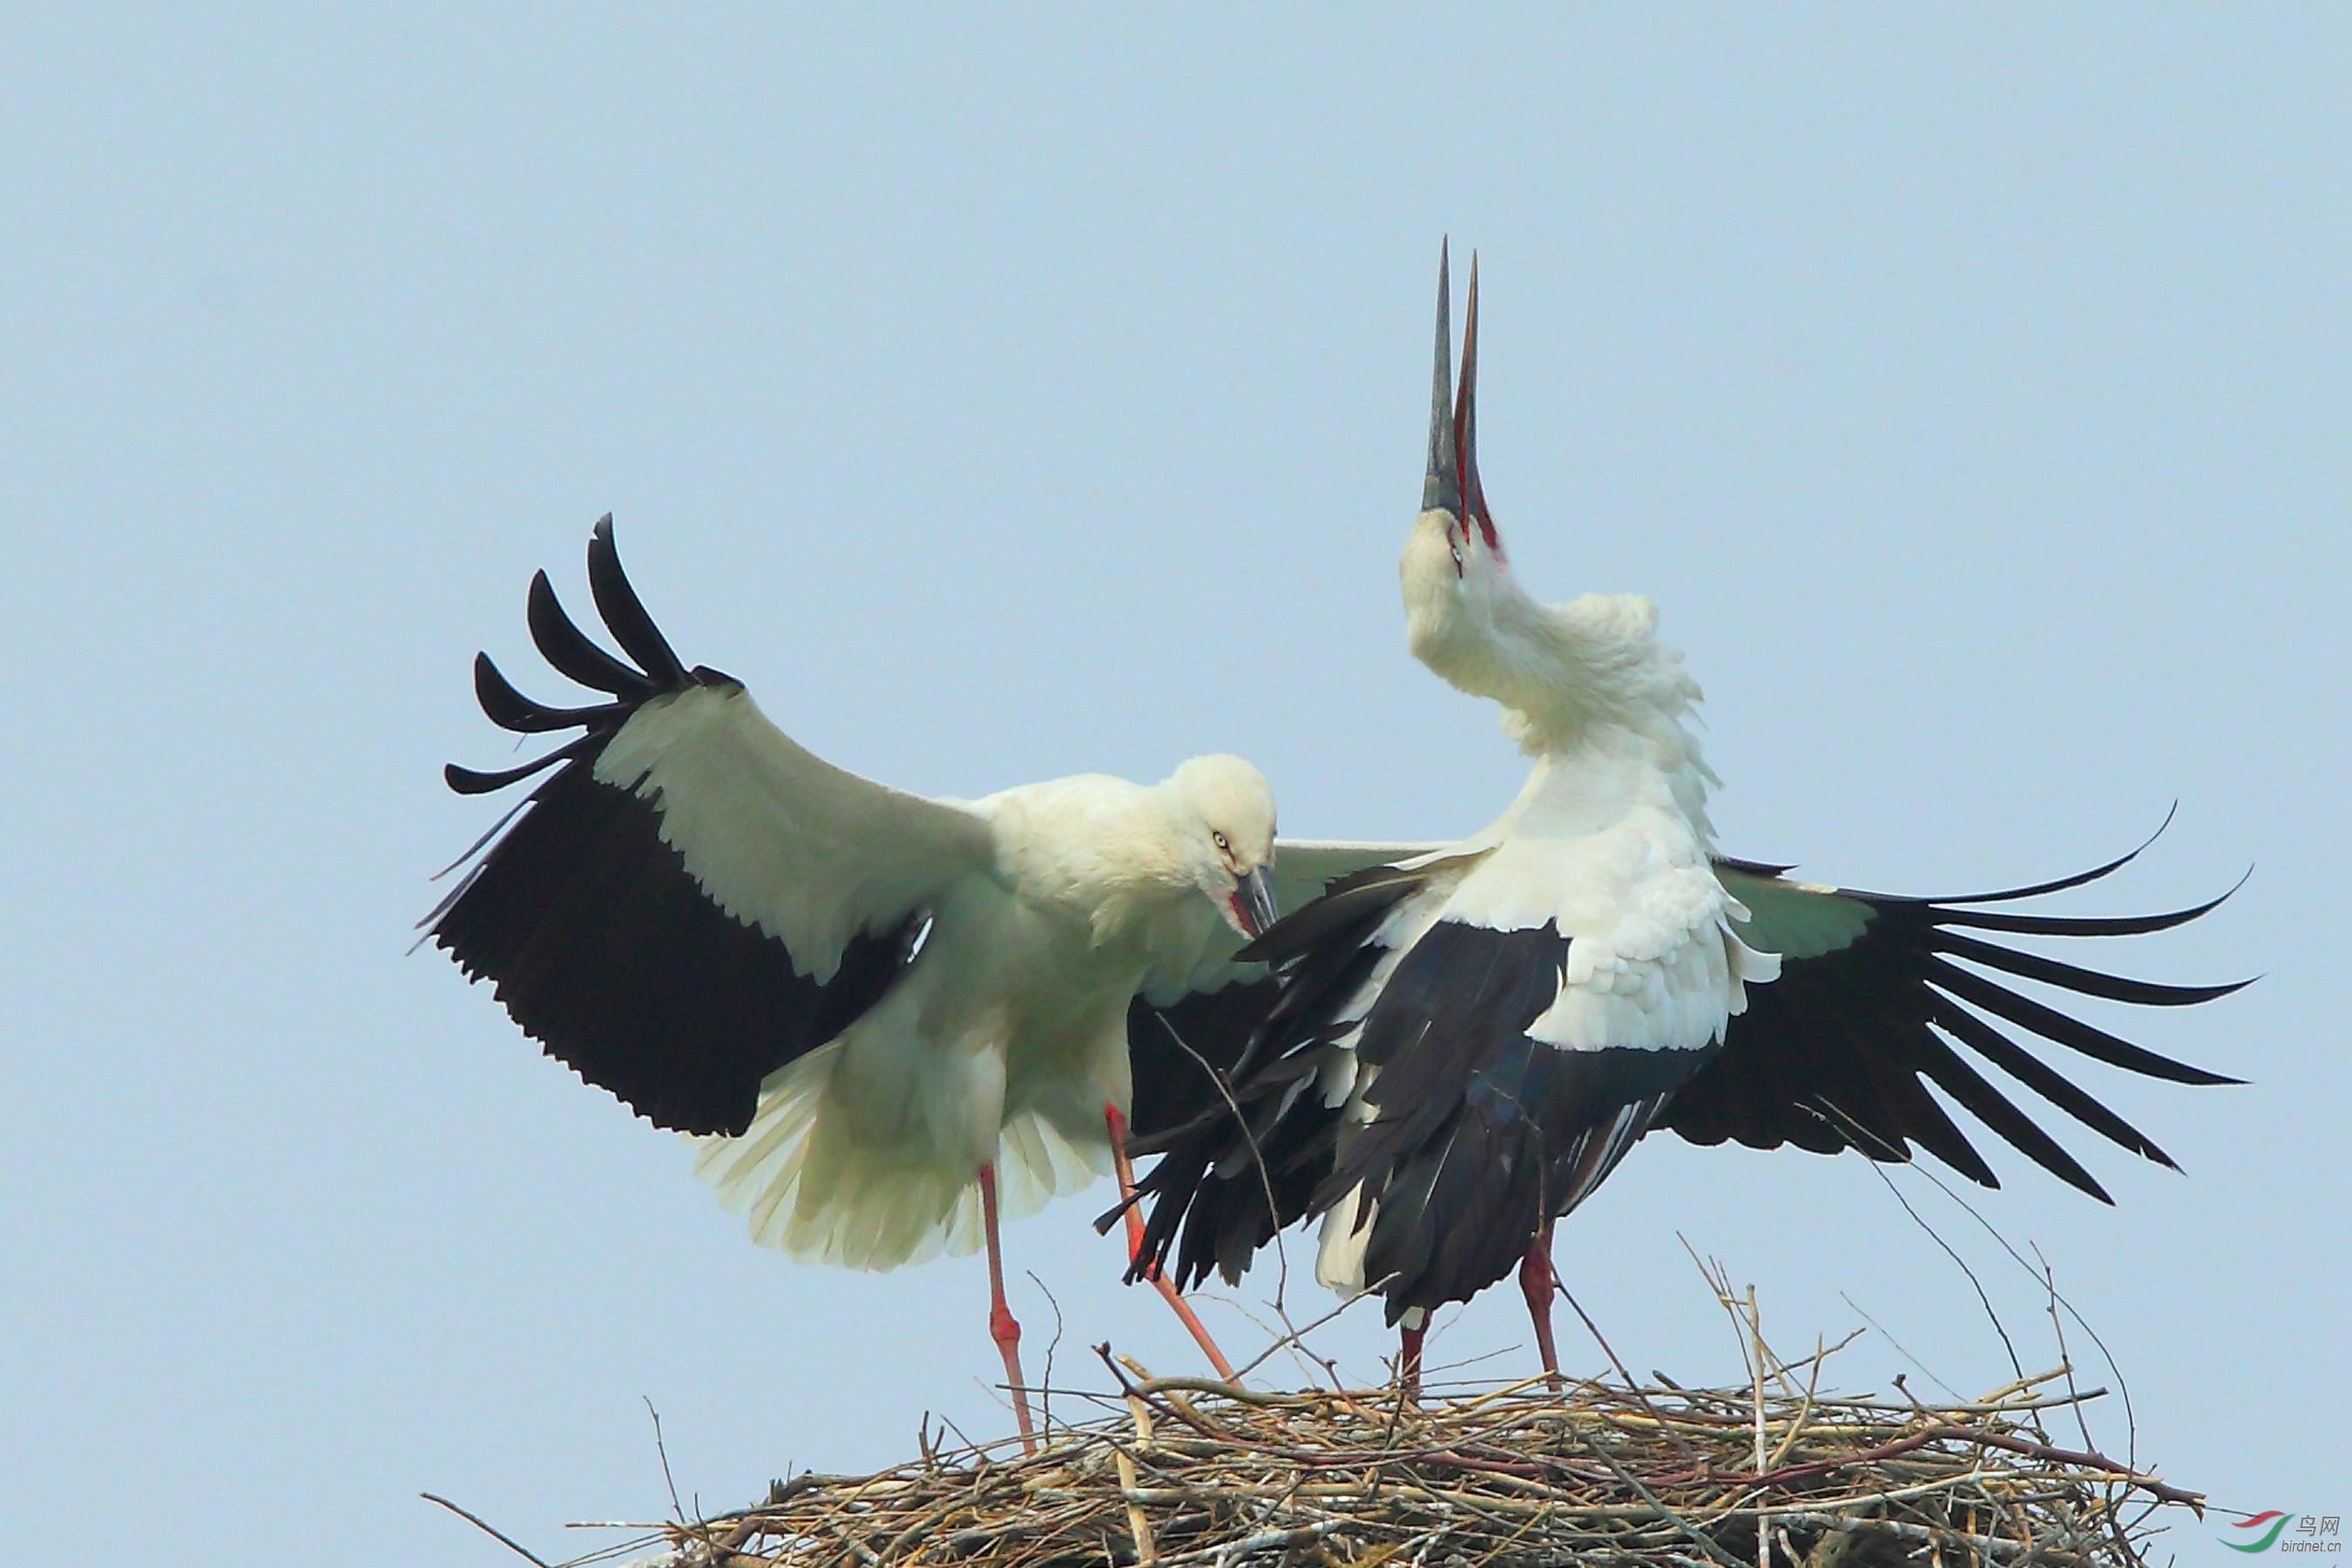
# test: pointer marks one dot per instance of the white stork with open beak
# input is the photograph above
(1469, 1039)
(886, 1017)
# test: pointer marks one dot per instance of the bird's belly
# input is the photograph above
(1031, 1022)
(900, 1084)
(1065, 1040)
(1066, 1058)
(868, 1151)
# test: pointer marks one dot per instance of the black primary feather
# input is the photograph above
(1832, 1054)
(625, 613)
(1180, 1053)
(599, 942)
(569, 649)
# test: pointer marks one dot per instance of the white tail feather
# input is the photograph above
(1339, 1258)
(807, 1186)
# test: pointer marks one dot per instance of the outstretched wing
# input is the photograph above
(689, 900)
(1874, 992)
(1837, 1053)
(1181, 1026)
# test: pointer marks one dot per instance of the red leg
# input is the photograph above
(1001, 1326)
(1168, 1293)
(1124, 1169)
(1538, 1281)
(1409, 1359)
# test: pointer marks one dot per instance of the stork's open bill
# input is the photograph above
(890, 1021)
(1471, 1036)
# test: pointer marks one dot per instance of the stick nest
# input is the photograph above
(1183, 1470)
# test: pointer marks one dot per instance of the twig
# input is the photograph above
(2003, 1440)
(1594, 1330)
(2123, 1385)
(1296, 1335)
(1045, 1394)
(1983, 1300)
(1138, 1527)
(501, 1536)
(662, 1450)
(1756, 1332)
(1890, 1339)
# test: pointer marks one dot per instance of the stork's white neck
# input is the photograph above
(1559, 670)
(1607, 772)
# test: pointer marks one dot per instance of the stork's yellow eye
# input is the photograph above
(1220, 839)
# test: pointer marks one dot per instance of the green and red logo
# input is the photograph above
(2271, 1517)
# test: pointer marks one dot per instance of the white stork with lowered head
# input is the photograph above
(1471, 1036)
(886, 1018)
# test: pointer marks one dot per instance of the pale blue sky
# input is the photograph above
(1008, 394)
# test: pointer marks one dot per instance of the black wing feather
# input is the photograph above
(1179, 1054)
(2045, 1081)
(1224, 1185)
(1838, 1053)
(511, 710)
(1981, 1100)
(2088, 982)
(2031, 889)
(569, 649)
(1821, 1054)
(472, 781)
(625, 613)
(2066, 1030)
(2081, 925)
(595, 936)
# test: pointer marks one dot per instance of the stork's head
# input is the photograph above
(1225, 817)
(1454, 559)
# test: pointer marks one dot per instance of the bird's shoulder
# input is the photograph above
(1072, 793)
(1075, 818)
(1093, 843)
